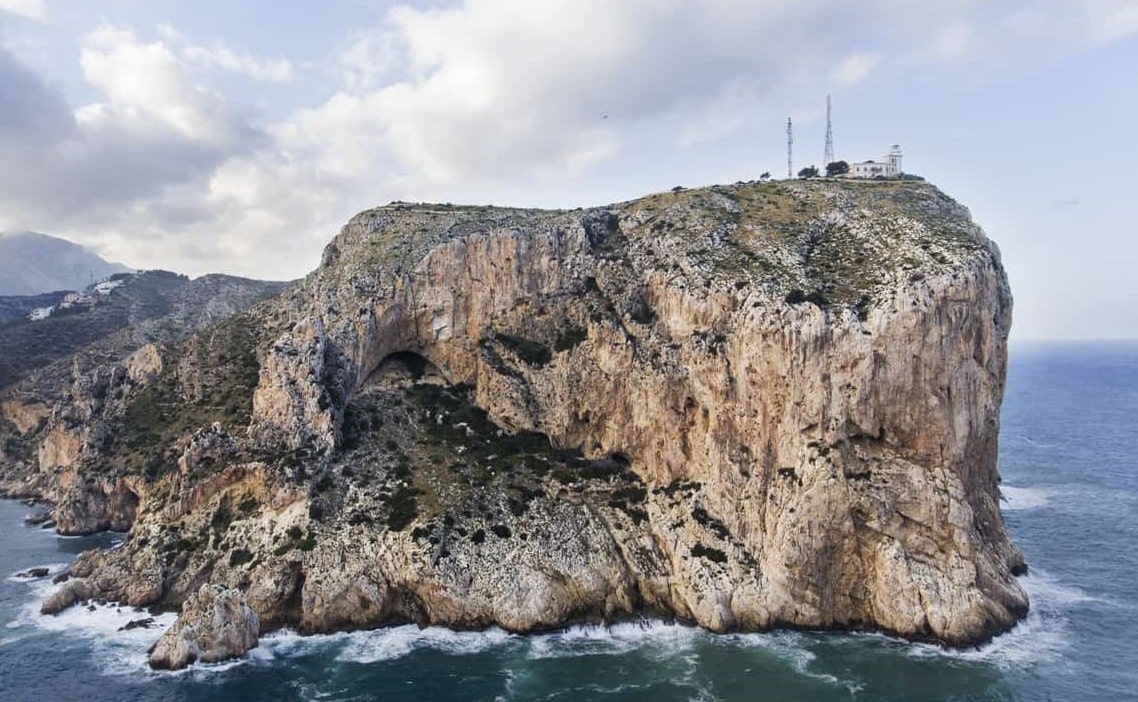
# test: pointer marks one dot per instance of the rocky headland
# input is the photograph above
(745, 407)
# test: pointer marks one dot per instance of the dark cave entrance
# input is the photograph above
(404, 368)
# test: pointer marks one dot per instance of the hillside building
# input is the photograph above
(888, 167)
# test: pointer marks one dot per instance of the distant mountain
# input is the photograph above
(32, 263)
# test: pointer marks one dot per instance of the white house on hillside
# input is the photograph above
(889, 166)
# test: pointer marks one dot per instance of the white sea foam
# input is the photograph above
(52, 569)
(98, 626)
(1030, 441)
(1047, 592)
(9, 641)
(791, 646)
(1022, 498)
(1042, 636)
(284, 643)
(381, 644)
(663, 638)
(396, 642)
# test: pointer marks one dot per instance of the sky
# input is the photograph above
(238, 136)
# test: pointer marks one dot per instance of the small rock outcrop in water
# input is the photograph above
(37, 518)
(743, 407)
(144, 623)
(215, 625)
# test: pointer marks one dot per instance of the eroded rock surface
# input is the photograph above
(744, 407)
(215, 625)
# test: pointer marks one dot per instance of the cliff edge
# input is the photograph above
(747, 407)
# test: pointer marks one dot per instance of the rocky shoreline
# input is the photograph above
(747, 407)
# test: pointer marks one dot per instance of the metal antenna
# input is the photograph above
(829, 157)
(789, 149)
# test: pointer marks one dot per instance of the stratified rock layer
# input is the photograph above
(745, 407)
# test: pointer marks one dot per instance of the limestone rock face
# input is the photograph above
(743, 407)
(215, 625)
(845, 436)
(291, 401)
(144, 365)
(24, 417)
(87, 507)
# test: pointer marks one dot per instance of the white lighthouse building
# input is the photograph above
(887, 167)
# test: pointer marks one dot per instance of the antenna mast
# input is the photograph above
(829, 157)
(789, 149)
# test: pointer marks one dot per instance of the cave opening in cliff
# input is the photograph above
(404, 368)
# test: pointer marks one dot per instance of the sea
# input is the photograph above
(1069, 463)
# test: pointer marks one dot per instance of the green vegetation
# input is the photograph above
(176, 404)
(533, 353)
(239, 556)
(814, 297)
(437, 459)
(837, 168)
(296, 539)
(708, 552)
(569, 338)
(404, 508)
(704, 519)
(678, 487)
(627, 498)
(469, 426)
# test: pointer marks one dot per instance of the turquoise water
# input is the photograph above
(1069, 459)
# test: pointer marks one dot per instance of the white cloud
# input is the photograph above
(31, 9)
(473, 100)
(134, 161)
(854, 69)
(370, 58)
(494, 89)
(954, 40)
(279, 70)
(146, 87)
(1074, 21)
(720, 117)
(1111, 20)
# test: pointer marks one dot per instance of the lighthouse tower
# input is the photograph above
(894, 159)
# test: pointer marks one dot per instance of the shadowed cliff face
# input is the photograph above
(747, 407)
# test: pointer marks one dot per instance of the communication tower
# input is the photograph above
(789, 149)
(829, 157)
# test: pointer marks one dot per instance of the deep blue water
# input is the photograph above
(1069, 460)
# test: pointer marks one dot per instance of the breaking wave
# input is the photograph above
(1022, 498)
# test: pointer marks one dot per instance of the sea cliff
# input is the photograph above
(746, 407)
